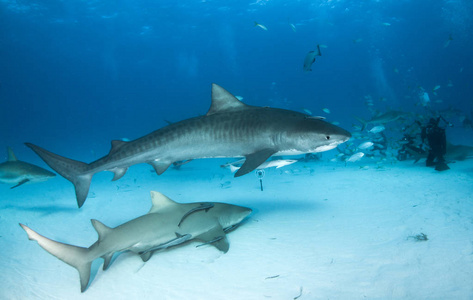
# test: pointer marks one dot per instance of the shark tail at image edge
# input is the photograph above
(74, 256)
(73, 170)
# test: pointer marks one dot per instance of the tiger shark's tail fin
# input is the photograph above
(73, 170)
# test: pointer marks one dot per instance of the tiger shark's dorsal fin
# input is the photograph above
(116, 145)
(11, 155)
(160, 202)
(223, 101)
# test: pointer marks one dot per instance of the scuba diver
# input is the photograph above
(412, 147)
(437, 141)
(409, 149)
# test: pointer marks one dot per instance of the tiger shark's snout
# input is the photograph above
(333, 139)
(339, 135)
(344, 135)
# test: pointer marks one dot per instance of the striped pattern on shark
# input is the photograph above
(229, 129)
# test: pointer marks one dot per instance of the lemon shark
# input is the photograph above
(18, 172)
(166, 225)
(230, 128)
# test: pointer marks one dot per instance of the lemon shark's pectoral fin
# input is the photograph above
(216, 237)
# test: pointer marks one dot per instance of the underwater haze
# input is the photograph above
(75, 75)
(78, 71)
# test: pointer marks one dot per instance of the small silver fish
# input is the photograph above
(310, 59)
(260, 26)
(307, 111)
(278, 163)
(377, 129)
(356, 157)
(365, 145)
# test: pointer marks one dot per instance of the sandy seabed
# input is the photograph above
(319, 230)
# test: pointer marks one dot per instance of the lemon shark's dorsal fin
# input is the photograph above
(102, 229)
(11, 155)
(160, 202)
(224, 101)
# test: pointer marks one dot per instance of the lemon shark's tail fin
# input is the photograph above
(74, 256)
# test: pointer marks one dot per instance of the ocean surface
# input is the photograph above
(75, 75)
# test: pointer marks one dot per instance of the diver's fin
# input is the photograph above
(441, 166)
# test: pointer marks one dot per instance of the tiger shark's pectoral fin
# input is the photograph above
(118, 173)
(20, 183)
(160, 166)
(254, 160)
(216, 237)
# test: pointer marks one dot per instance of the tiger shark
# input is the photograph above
(18, 172)
(230, 128)
(166, 225)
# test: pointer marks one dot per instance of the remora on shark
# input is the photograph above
(229, 129)
(167, 224)
(18, 172)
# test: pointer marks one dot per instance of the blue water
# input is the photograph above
(76, 74)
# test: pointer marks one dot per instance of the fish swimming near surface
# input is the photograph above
(310, 59)
(382, 118)
(260, 26)
(293, 27)
(166, 225)
(18, 172)
(230, 128)
(447, 42)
